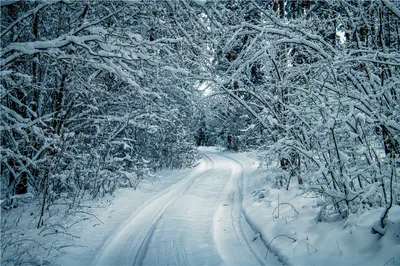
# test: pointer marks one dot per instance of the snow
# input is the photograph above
(392, 7)
(226, 210)
(97, 30)
(181, 223)
(132, 2)
(116, 216)
(393, 124)
(8, 2)
(250, 127)
(343, 242)
(370, 192)
(200, 2)
(176, 70)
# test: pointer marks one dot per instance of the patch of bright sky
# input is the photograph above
(341, 36)
(206, 88)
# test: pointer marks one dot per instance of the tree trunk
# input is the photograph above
(281, 8)
(229, 142)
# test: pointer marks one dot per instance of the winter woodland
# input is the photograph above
(101, 95)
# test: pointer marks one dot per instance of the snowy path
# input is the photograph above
(197, 221)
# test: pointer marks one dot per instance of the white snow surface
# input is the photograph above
(196, 221)
(338, 242)
(200, 2)
(222, 212)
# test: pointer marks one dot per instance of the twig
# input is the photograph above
(294, 240)
(59, 232)
(77, 221)
(22, 240)
(389, 206)
(91, 215)
(69, 246)
(391, 259)
(297, 213)
(340, 251)
(308, 245)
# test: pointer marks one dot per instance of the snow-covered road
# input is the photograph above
(197, 221)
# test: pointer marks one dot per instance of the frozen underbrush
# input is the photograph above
(295, 226)
(71, 232)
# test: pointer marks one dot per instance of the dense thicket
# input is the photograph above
(320, 80)
(96, 94)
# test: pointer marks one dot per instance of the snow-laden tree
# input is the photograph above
(328, 104)
(96, 94)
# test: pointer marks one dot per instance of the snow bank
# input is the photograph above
(341, 242)
(73, 236)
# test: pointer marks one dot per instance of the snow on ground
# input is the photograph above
(88, 226)
(119, 213)
(345, 242)
(197, 221)
(224, 211)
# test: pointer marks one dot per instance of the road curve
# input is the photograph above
(197, 221)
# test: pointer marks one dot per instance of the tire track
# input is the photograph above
(128, 245)
(231, 226)
(178, 225)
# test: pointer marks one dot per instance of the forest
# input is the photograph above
(100, 95)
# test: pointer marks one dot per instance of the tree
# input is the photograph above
(91, 92)
(322, 101)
